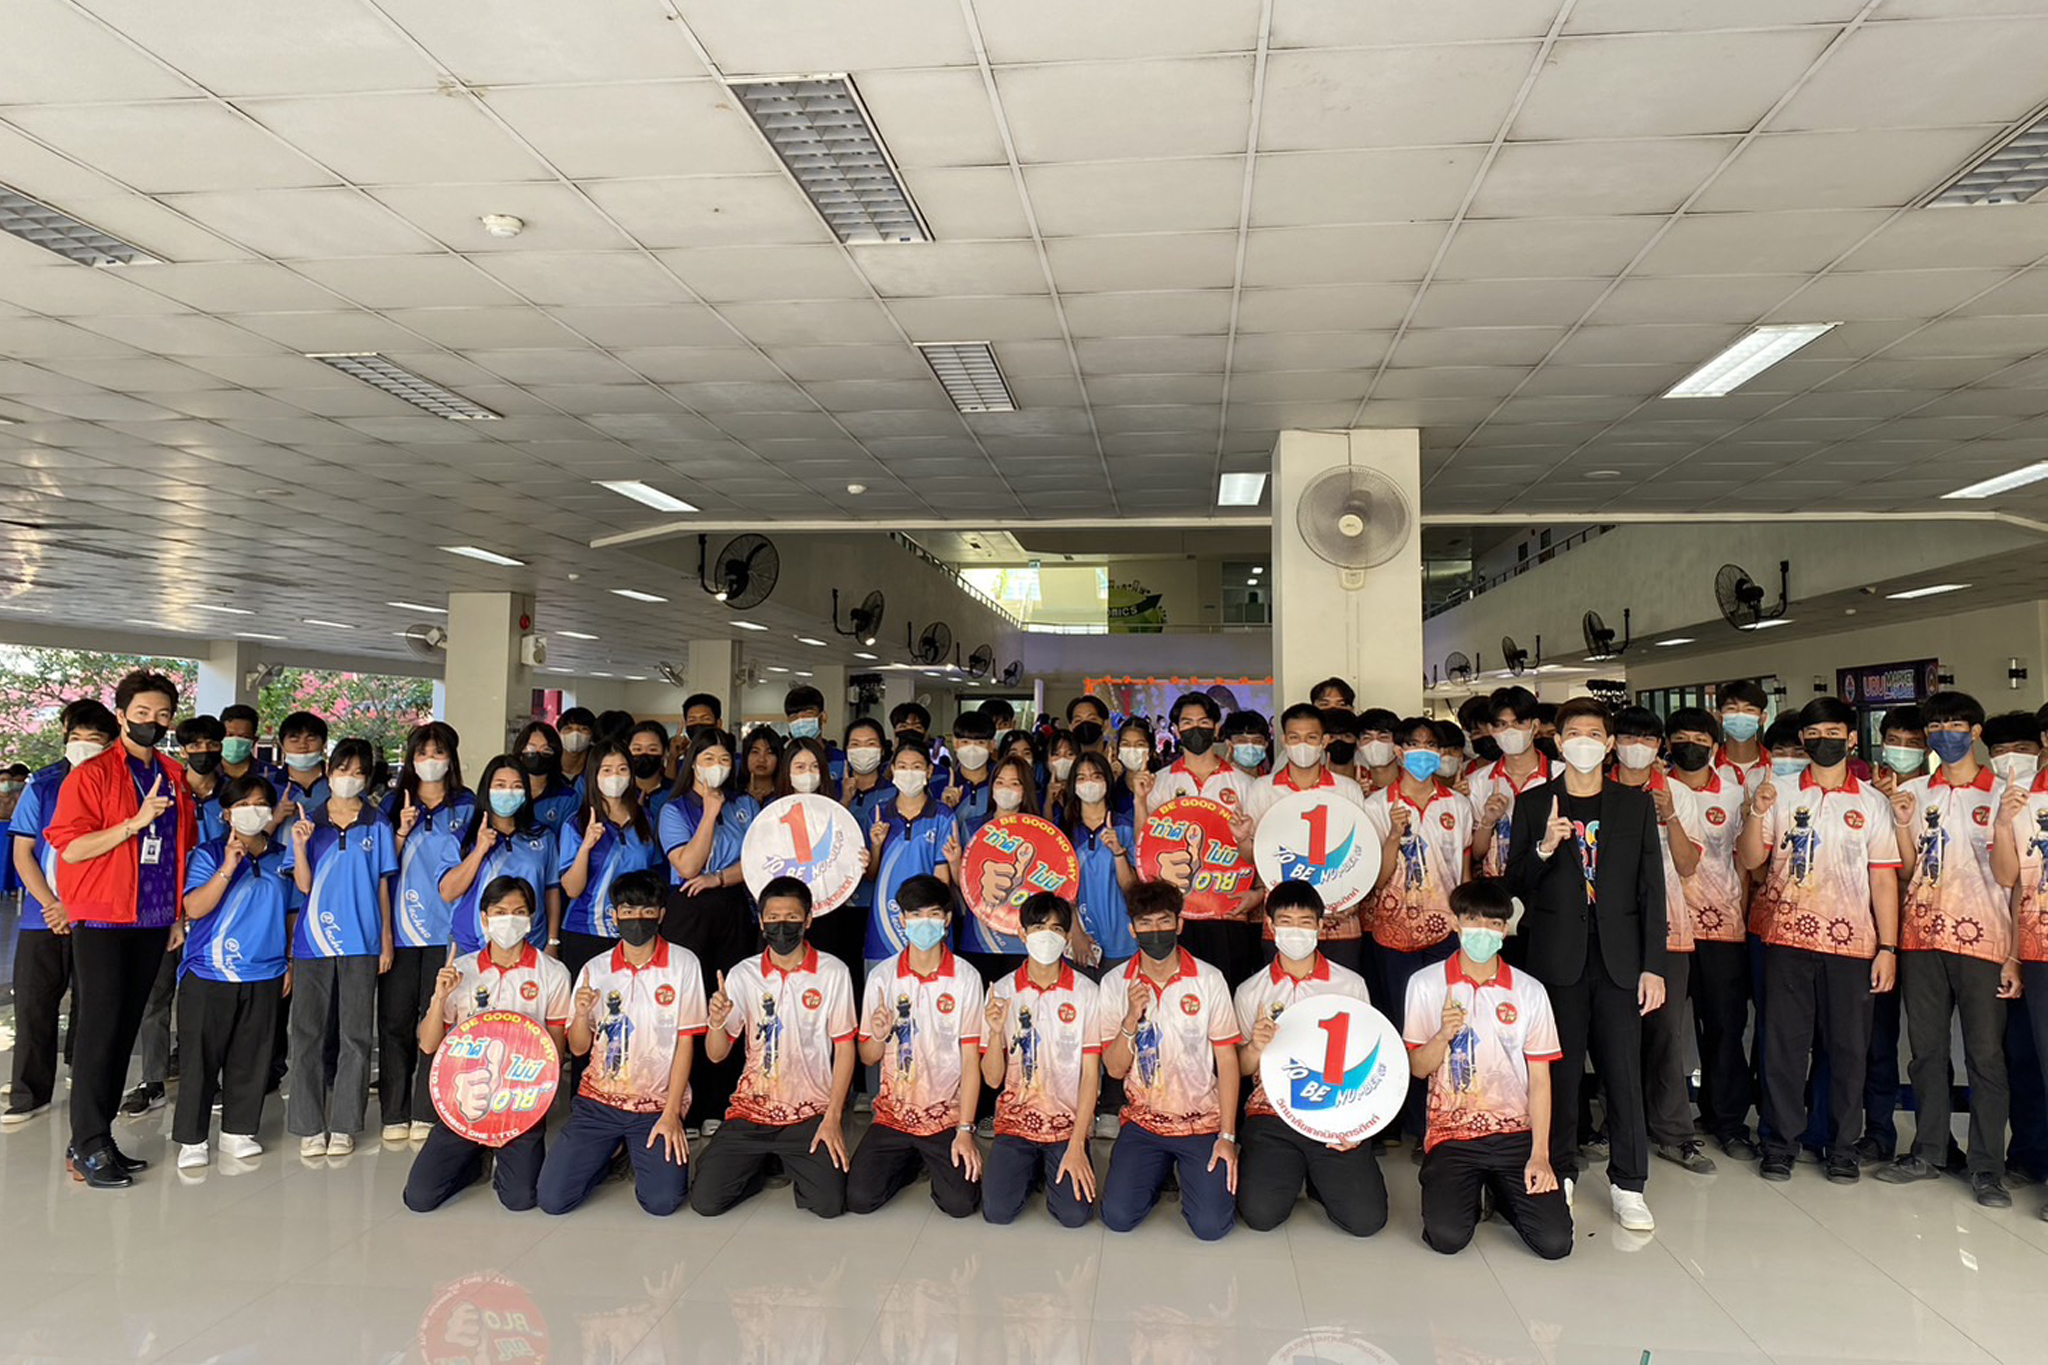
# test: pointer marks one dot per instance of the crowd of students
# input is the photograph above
(1558, 886)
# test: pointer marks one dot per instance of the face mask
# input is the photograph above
(1046, 946)
(146, 733)
(1304, 755)
(1740, 726)
(1826, 753)
(430, 769)
(1481, 945)
(1584, 753)
(910, 781)
(1690, 758)
(863, 761)
(1422, 764)
(973, 757)
(250, 820)
(574, 741)
(692, 731)
(1198, 740)
(1786, 765)
(1295, 943)
(644, 766)
(924, 934)
(1636, 755)
(1247, 756)
(1007, 798)
(205, 764)
(235, 749)
(613, 785)
(1342, 752)
(1091, 793)
(83, 751)
(539, 762)
(1158, 944)
(784, 936)
(714, 775)
(805, 782)
(1904, 759)
(304, 763)
(508, 931)
(804, 727)
(638, 933)
(2015, 768)
(10, 787)
(1062, 768)
(1378, 753)
(506, 803)
(1513, 741)
(1131, 756)
(347, 788)
(1088, 734)
(1950, 746)
(1486, 749)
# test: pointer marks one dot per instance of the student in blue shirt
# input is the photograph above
(342, 864)
(238, 900)
(907, 837)
(803, 706)
(966, 786)
(1009, 790)
(577, 728)
(538, 749)
(647, 752)
(42, 948)
(614, 839)
(1107, 847)
(239, 727)
(302, 740)
(1060, 753)
(199, 740)
(1137, 751)
(429, 811)
(1023, 744)
(505, 838)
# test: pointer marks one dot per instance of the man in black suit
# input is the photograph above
(1586, 862)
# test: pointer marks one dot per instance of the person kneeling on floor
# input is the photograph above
(638, 1012)
(509, 974)
(1484, 1035)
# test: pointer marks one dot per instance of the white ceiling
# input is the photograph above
(1185, 225)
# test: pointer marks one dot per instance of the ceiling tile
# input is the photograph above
(993, 319)
(1745, 243)
(1852, 296)
(542, 40)
(597, 132)
(258, 47)
(1561, 179)
(2008, 234)
(1187, 260)
(1475, 345)
(1136, 196)
(1668, 84)
(1041, 32)
(1340, 255)
(1329, 308)
(1305, 189)
(1102, 111)
(952, 268)
(1148, 314)
(399, 139)
(300, 224)
(934, 117)
(1864, 169)
(1700, 298)
(967, 203)
(50, 51)
(771, 324)
(1636, 16)
(1524, 248)
(1343, 23)
(1390, 96)
(373, 282)
(169, 146)
(1307, 350)
(585, 278)
(772, 37)
(711, 210)
(1924, 75)
(556, 217)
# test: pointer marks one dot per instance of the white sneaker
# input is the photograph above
(396, 1133)
(1569, 1185)
(239, 1147)
(341, 1144)
(420, 1130)
(15, 1117)
(191, 1154)
(1632, 1212)
(313, 1146)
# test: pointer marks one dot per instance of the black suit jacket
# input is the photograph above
(1628, 880)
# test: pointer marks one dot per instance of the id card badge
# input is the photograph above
(152, 849)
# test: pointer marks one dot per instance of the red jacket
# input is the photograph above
(99, 794)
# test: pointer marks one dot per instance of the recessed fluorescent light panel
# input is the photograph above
(637, 595)
(418, 606)
(331, 625)
(487, 556)
(225, 611)
(750, 625)
(1766, 625)
(1932, 590)
(2011, 173)
(1762, 348)
(645, 495)
(971, 377)
(575, 635)
(821, 130)
(399, 382)
(1241, 490)
(1675, 640)
(54, 230)
(2004, 483)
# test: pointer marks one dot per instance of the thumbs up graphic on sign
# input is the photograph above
(1177, 866)
(473, 1089)
(998, 880)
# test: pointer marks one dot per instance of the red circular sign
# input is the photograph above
(494, 1077)
(483, 1317)
(1188, 842)
(1011, 858)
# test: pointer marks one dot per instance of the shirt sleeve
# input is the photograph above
(742, 1002)
(1687, 809)
(290, 861)
(28, 813)
(1102, 1023)
(200, 867)
(1222, 1021)
(565, 851)
(387, 852)
(556, 1006)
(676, 826)
(692, 1014)
(729, 834)
(973, 999)
(1246, 1007)
(839, 1018)
(1539, 1037)
(1883, 844)
(1422, 1013)
(871, 997)
(448, 1004)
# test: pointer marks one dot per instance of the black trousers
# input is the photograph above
(1881, 1085)
(1667, 1104)
(225, 1033)
(1814, 998)
(1454, 1172)
(42, 972)
(720, 928)
(403, 994)
(1720, 1017)
(1595, 1015)
(887, 1160)
(2026, 1028)
(1938, 986)
(447, 1164)
(1275, 1163)
(114, 970)
(737, 1161)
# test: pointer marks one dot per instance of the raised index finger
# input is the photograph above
(1553, 808)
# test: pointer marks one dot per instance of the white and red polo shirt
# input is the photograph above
(1267, 790)
(1412, 911)
(1226, 786)
(1171, 1088)
(1482, 1088)
(792, 1022)
(536, 986)
(1714, 891)
(1823, 844)
(1747, 774)
(933, 1017)
(1678, 926)
(1266, 994)
(1047, 1031)
(639, 1014)
(1954, 904)
(2030, 833)
(1491, 779)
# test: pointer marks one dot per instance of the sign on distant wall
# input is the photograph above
(1888, 684)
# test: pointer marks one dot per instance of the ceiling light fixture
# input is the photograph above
(1932, 590)
(805, 673)
(225, 611)
(856, 489)
(487, 556)
(777, 668)
(256, 635)
(575, 635)
(57, 231)
(645, 495)
(821, 130)
(1767, 625)
(637, 595)
(2004, 483)
(418, 606)
(1675, 640)
(1241, 490)
(1755, 352)
(331, 625)
(1603, 473)
(970, 375)
(2012, 172)
(503, 224)
(399, 382)
(750, 625)
(862, 654)
(807, 640)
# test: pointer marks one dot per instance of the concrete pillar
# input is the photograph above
(224, 674)
(898, 686)
(830, 679)
(488, 690)
(713, 666)
(1362, 626)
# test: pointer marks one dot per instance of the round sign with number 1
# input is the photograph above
(1336, 1070)
(812, 838)
(1319, 837)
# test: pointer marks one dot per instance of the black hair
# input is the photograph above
(1344, 690)
(1246, 723)
(2010, 727)
(1638, 722)
(614, 725)
(1012, 738)
(1377, 718)
(544, 730)
(501, 887)
(640, 890)
(141, 681)
(1450, 736)
(594, 800)
(1475, 712)
(649, 727)
(802, 697)
(1831, 711)
(438, 732)
(1088, 698)
(1406, 728)
(792, 888)
(1000, 711)
(17, 770)
(1546, 712)
(909, 711)
(356, 750)
(1153, 898)
(1945, 707)
(1910, 719)
(1585, 706)
(973, 725)
(89, 713)
(1339, 721)
(1202, 701)
(1514, 700)
(924, 892)
(240, 711)
(705, 699)
(1694, 718)
(1043, 907)
(707, 737)
(1095, 762)
(302, 723)
(577, 715)
(1782, 731)
(197, 729)
(1294, 895)
(1486, 897)
(761, 734)
(867, 723)
(803, 745)
(1301, 710)
(239, 789)
(1745, 690)
(908, 747)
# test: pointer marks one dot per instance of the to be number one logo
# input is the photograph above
(1338, 1027)
(799, 833)
(1318, 821)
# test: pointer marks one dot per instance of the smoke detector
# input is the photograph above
(503, 224)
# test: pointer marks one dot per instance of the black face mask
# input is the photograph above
(1088, 734)
(645, 766)
(205, 764)
(540, 764)
(1342, 751)
(784, 936)
(146, 733)
(1547, 746)
(1197, 740)
(638, 933)
(1691, 757)
(1825, 753)
(1486, 749)
(1158, 944)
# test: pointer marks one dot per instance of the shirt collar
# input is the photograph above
(1283, 776)
(528, 959)
(1065, 983)
(945, 967)
(1319, 972)
(1454, 972)
(809, 964)
(1982, 782)
(1438, 791)
(2040, 781)
(1537, 775)
(1184, 967)
(1850, 785)
(660, 958)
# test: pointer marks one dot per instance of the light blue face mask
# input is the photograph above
(1248, 755)
(1481, 945)
(1741, 726)
(804, 727)
(924, 933)
(1422, 764)
(1904, 759)
(506, 803)
(1788, 766)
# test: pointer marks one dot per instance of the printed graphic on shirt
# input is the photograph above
(1494, 778)
(1482, 1087)
(640, 1013)
(2030, 833)
(1171, 1087)
(1047, 1033)
(1413, 910)
(1586, 833)
(1713, 893)
(1953, 903)
(1816, 888)
(1267, 994)
(931, 1017)
(792, 1022)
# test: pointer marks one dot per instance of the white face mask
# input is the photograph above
(804, 782)
(910, 781)
(574, 741)
(347, 786)
(1046, 946)
(508, 931)
(1304, 755)
(614, 785)
(1090, 792)
(1296, 943)
(83, 751)
(973, 757)
(1007, 798)
(863, 761)
(1062, 768)
(713, 775)
(1636, 755)
(1584, 752)
(430, 769)
(1513, 741)
(1377, 753)
(1134, 757)
(250, 820)
(2017, 769)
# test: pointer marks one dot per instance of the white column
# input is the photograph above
(898, 686)
(713, 665)
(1369, 633)
(224, 672)
(488, 690)
(830, 679)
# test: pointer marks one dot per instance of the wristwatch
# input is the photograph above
(1891, 948)
(1230, 1138)
(963, 1127)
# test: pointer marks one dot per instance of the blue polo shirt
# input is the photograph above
(419, 917)
(975, 806)
(558, 801)
(619, 851)
(340, 916)
(1101, 900)
(913, 846)
(244, 938)
(311, 799)
(526, 854)
(864, 805)
(32, 814)
(213, 821)
(681, 816)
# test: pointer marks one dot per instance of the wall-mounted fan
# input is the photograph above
(1013, 672)
(261, 676)
(864, 622)
(1599, 636)
(1458, 669)
(1354, 517)
(673, 675)
(981, 662)
(1741, 598)
(425, 641)
(744, 572)
(932, 647)
(1517, 659)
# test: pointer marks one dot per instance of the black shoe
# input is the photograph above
(1741, 1147)
(1872, 1151)
(1594, 1143)
(1690, 1154)
(1843, 1170)
(1990, 1191)
(1907, 1170)
(2019, 1175)
(141, 1100)
(1775, 1168)
(134, 1165)
(98, 1170)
